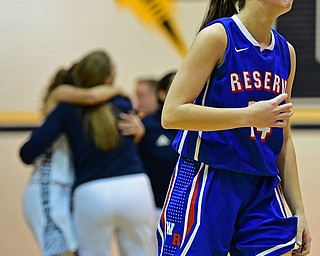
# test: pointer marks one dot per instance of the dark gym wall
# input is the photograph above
(299, 28)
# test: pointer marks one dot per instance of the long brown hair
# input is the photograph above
(62, 76)
(221, 8)
(99, 121)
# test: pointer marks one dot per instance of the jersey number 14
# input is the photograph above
(264, 132)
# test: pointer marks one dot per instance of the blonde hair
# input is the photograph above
(99, 121)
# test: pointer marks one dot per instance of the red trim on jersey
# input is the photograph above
(192, 210)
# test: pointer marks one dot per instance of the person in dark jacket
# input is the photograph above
(112, 195)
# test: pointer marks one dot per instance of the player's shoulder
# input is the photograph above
(212, 39)
(215, 30)
(291, 48)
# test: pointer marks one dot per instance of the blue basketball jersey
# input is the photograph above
(246, 76)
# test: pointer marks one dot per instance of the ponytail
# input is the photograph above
(100, 121)
(221, 8)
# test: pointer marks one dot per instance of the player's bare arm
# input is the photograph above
(80, 96)
(287, 164)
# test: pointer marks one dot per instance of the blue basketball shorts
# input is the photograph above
(211, 212)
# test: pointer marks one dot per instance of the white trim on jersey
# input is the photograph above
(198, 143)
(248, 35)
(276, 248)
(278, 196)
(189, 202)
(164, 209)
(204, 180)
(161, 235)
(184, 135)
(196, 151)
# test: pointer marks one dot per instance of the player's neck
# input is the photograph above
(259, 27)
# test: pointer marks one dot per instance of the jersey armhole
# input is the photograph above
(226, 56)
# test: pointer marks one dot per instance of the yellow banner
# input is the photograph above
(159, 14)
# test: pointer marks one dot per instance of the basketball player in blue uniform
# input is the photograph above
(231, 100)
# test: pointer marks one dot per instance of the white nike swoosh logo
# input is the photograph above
(241, 50)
